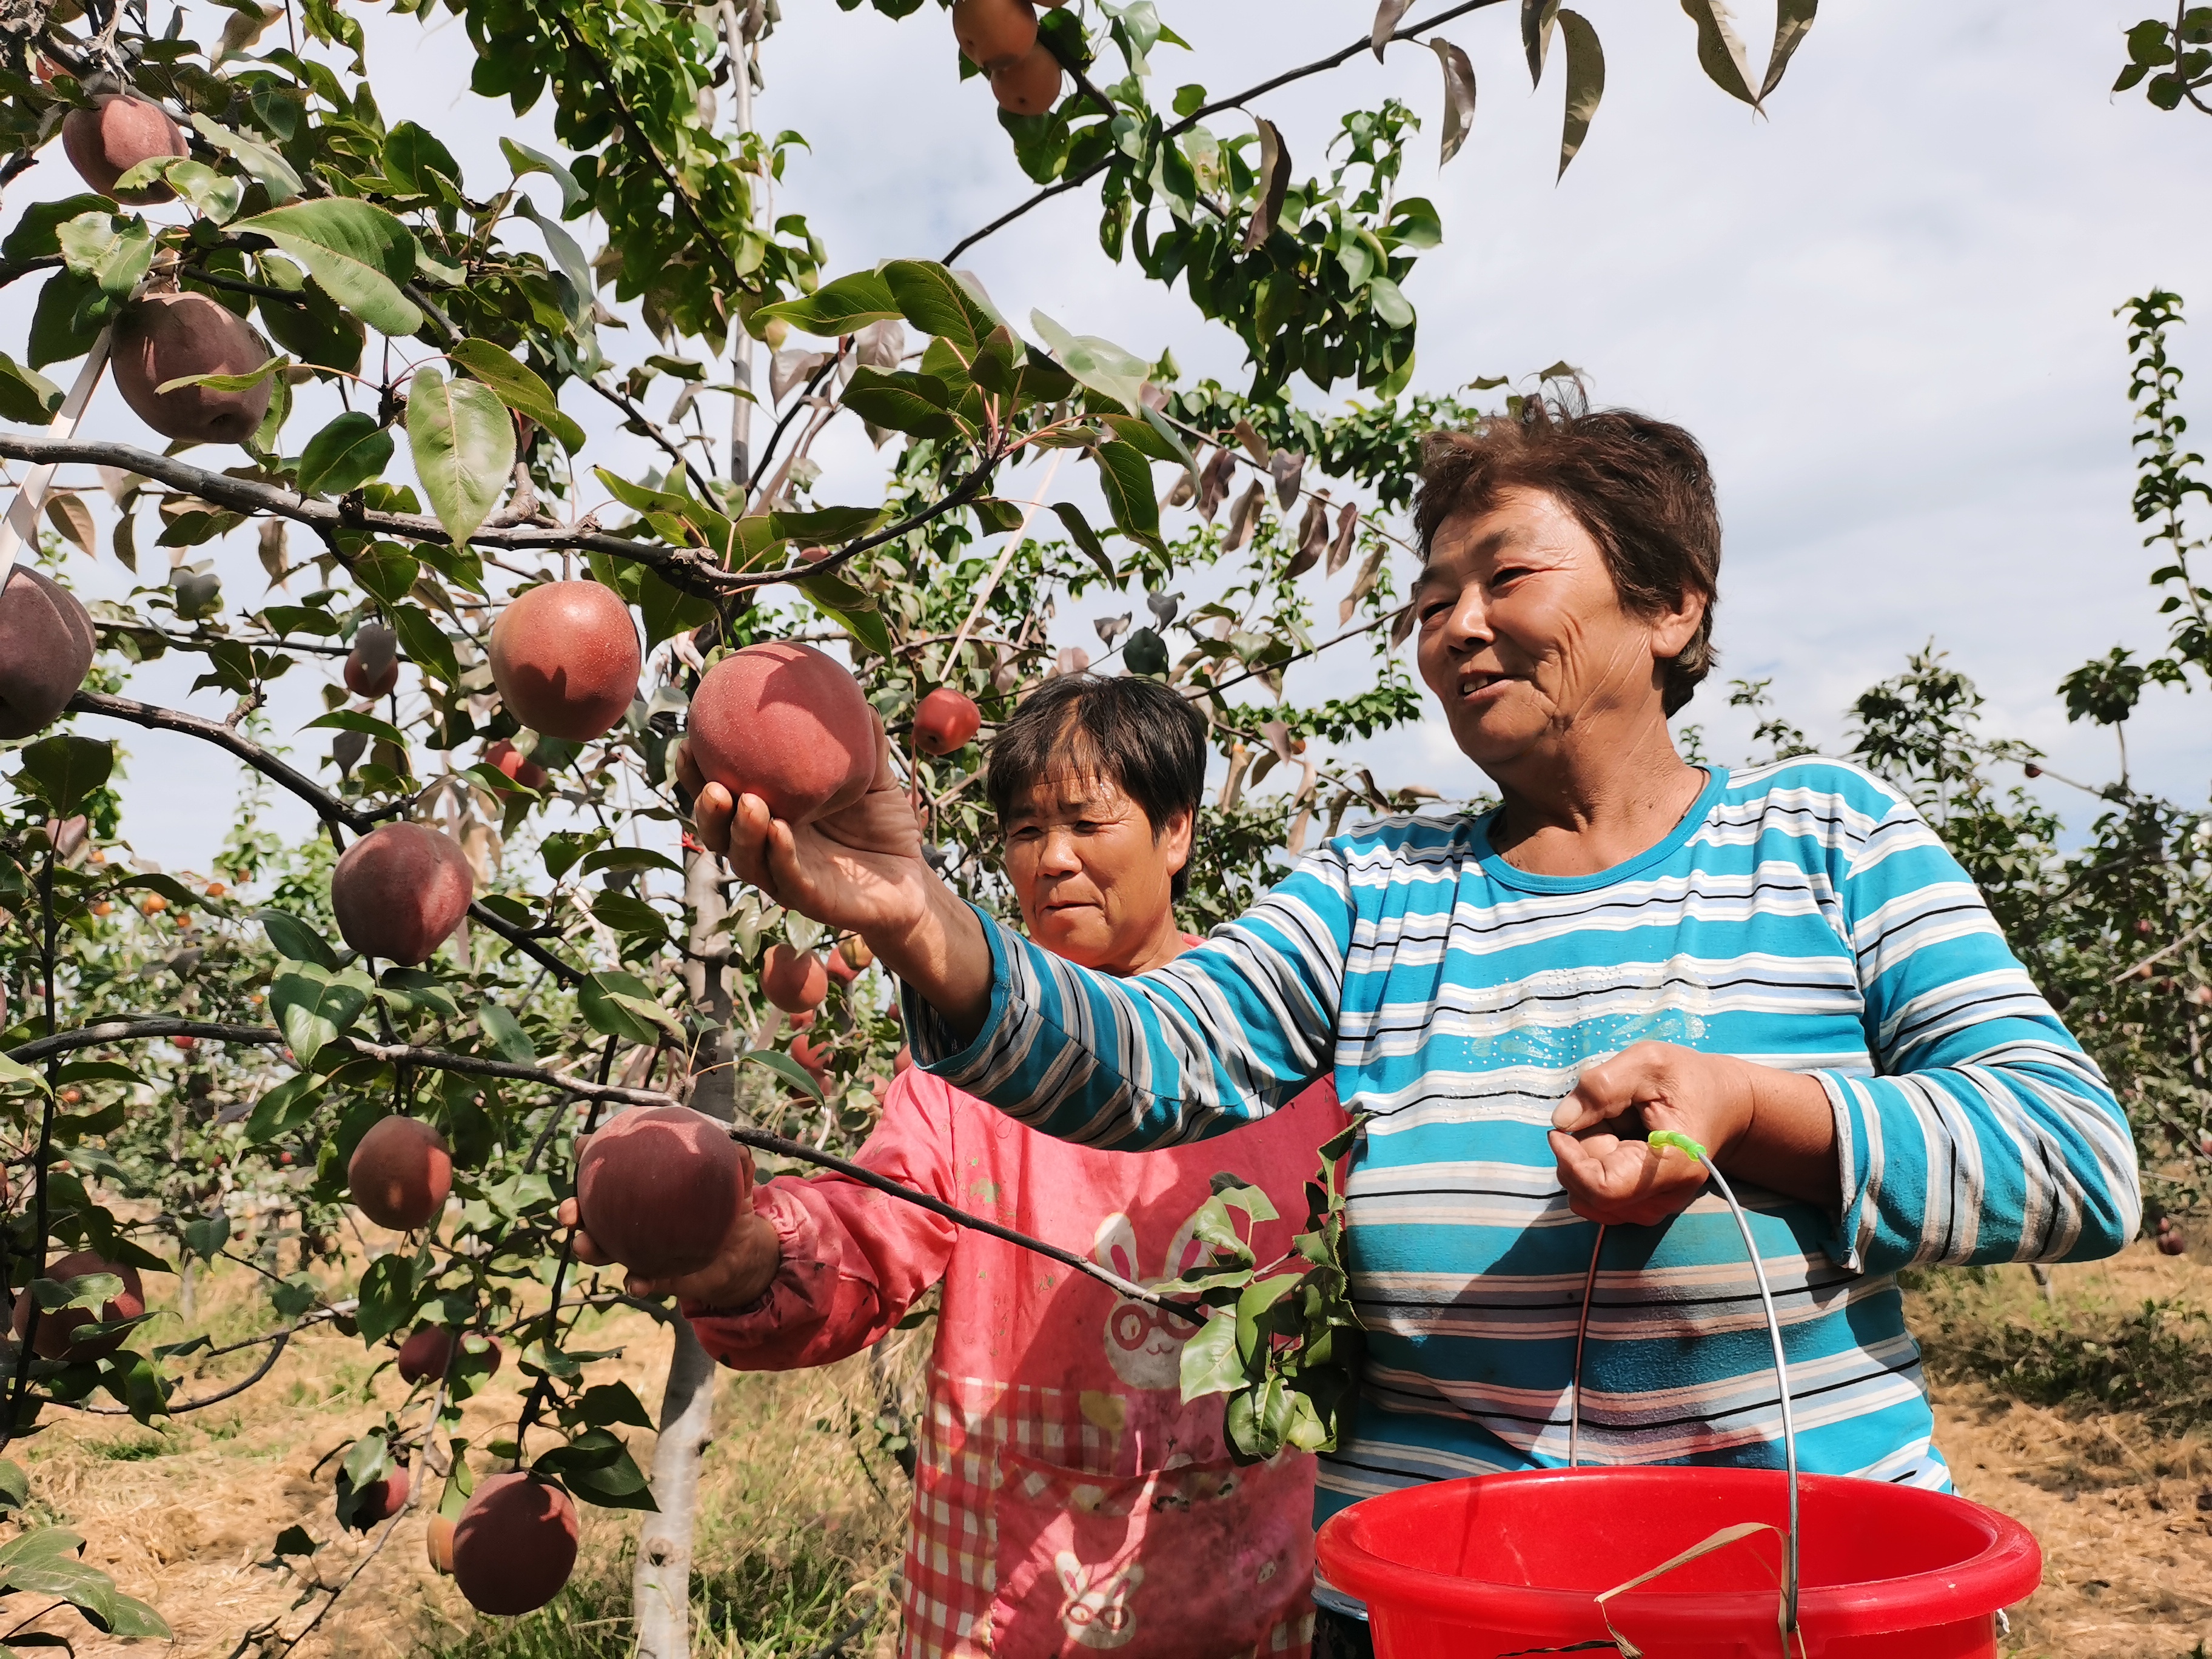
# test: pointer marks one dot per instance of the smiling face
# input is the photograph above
(1094, 881)
(1525, 641)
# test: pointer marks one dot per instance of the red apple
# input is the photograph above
(515, 1545)
(565, 658)
(114, 136)
(400, 1174)
(660, 1188)
(795, 980)
(55, 1338)
(786, 723)
(504, 757)
(947, 721)
(46, 644)
(400, 891)
(379, 1500)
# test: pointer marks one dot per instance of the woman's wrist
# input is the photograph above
(1787, 1138)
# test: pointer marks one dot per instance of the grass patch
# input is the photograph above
(803, 1599)
(134, 1451)
(2153, 1359)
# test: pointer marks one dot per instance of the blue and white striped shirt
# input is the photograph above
(1801, 915)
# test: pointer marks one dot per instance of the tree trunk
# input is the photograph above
(661, 1590)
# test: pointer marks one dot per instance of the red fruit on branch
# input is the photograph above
(515, 1545)
(168, 336)
(1030, 84)
(437, 1545)
(565, 658)
(660, 1188)
(57, 1338)
(794, 980)
(114, 136)
(400, 1174)
(504, 757)
(814, 1056)
(400, 891)
(840, 970)
(993, 33)
(371, 667)
(379, 1500)
(45, 651)
(946, 722)
(787, 723)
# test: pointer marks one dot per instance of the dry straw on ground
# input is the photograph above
(183, 1516)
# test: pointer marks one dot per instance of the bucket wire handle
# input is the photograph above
(1682, 1143)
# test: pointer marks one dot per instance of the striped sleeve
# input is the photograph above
(1986, 1134)
(1218, 1038)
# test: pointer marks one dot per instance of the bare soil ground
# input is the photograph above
(801, 1518)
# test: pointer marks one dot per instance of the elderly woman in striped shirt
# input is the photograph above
(1784, 963)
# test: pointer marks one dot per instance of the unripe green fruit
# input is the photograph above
(45, 651)
(166, 336)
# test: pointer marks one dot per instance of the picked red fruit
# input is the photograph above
(660, 1188)
(400, 891)
(57, 1338)
(786, 723)
(565, 658)
(400, 1174)
(794, 980)
(515, 1545)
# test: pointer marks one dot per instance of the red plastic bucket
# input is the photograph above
(1511, 1564)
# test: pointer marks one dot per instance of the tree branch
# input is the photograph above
(1320, 66)
(142, 1029)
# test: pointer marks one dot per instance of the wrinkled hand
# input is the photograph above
(1611, 1173)
(859, 870)
(739, 1274)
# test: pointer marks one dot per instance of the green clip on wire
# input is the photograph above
(1680, 1143)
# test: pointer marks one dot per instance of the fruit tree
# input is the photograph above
(333, 339)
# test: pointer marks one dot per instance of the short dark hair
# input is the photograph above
(1130, 729)
(1640, 486)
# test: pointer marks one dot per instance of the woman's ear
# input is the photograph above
(1672, 630)
(1174, 840)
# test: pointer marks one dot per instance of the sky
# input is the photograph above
(1884, 307)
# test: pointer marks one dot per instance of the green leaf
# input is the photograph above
(525, 160)
(424, 641)
(1258, 1298)
(1537, 17)
(388, 571)
(245, 382)
(16, 1484)
(1585, 87)
(344, 455)
(901, 402)
(788, 1069)
(463, 441)
(355, 719)
(26, 397)
(1079, 528)
(933, 300)
(827, 524)
(1210, 1361)
(849, 608)
(391, 1292)
(844, 306)
(205, 1235)
(36, 234)
(613, 1402)
(1125, 479)
(360, 254)
(258, 159)
(115, 252)
(622, 1004)
(285, 1108)
(519, 388)
(90, 1589)
(130, 1618)
(70, 314)
(1100, 365)
(1793, 20)
(314, 1006)
(1147, 652)
(1720, 48)
(505, 1034)
(64, 768)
